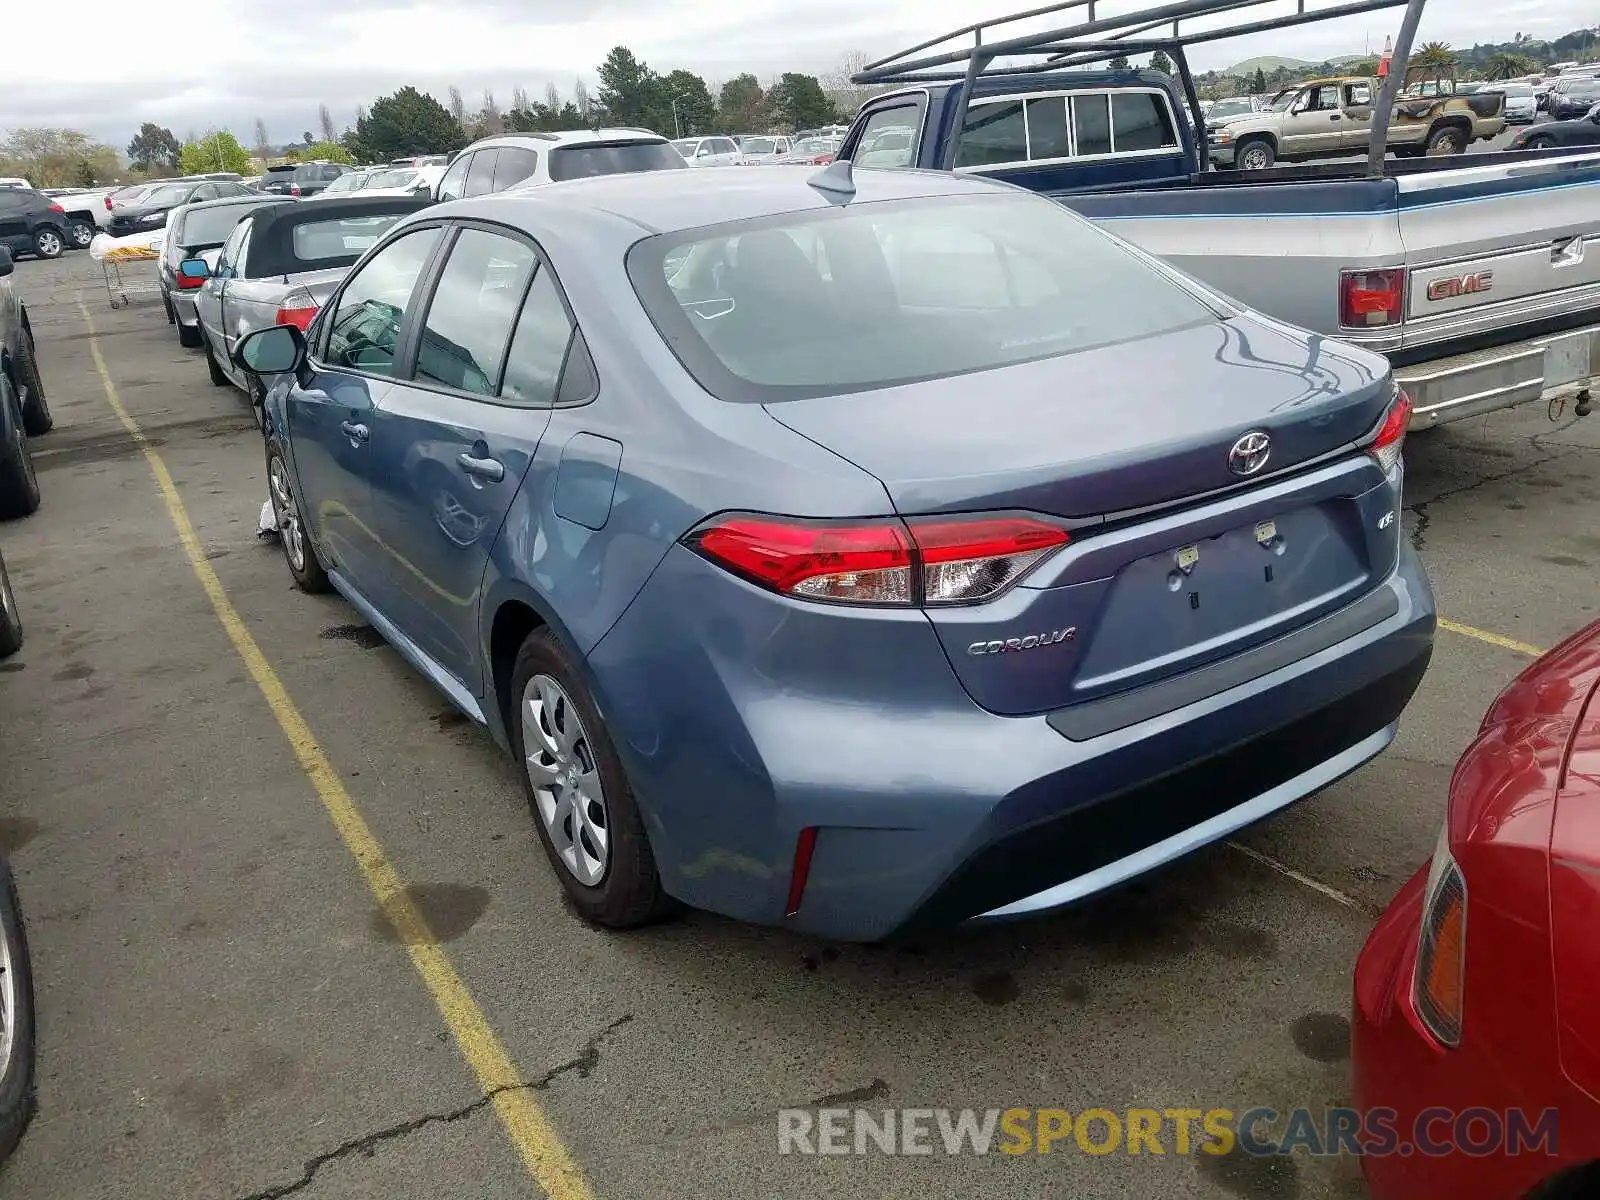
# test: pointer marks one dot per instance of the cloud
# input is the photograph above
(228, 62)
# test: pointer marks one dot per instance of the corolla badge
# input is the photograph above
(1032, 642)
(1250, 453)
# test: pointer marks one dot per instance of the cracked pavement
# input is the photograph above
(224, 1014)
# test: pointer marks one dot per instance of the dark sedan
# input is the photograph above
(192, 230)
(1583, 131)
(152, 209)
(1574, 101)
(300, 179)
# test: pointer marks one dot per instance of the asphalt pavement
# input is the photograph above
(226, 1011)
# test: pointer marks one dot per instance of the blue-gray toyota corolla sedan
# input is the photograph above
(851, 554)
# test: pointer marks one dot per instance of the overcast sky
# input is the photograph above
(227, 62)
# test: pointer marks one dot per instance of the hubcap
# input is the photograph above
(1254, 160)
(82, 234)
(288, 514)
(49, 243)
(566, 780)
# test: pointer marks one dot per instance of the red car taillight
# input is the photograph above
(1386, 445)
(294, 189)
(108, 201)
(923, 561)
(188, 283)
(298, 309)
(822, 160)
(1371, 298)
(57, 208)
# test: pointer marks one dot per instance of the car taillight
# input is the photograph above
(188, 283)
(298, 309)
(822, 160)
(57, 209)
(108, 202)
(294, 189)
(1386, 445)
(930, 561)
(1371, 298)
(1438, 989)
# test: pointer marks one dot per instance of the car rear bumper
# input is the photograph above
(1551, 367)
(183, 308)
(931, 811)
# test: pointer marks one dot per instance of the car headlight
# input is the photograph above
(156, 218)
(1223, 137)
(1438, 988)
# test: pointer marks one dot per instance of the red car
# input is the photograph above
(1476, 1032)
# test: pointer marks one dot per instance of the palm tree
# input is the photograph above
(1510, 66)
(1435, 56)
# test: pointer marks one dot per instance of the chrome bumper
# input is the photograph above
(1557, 367)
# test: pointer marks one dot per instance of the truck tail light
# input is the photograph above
(299, 308)
(1392, 433)
(1370, 299)
(1438, 989)
(929, 561)
(108, 201)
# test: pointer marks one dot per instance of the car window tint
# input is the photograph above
(533, 368)
(480, 179)
(364, 333)
(470, 316)
(993, 134)
(1047, 128)
(886, 139)
(1139, 121)
(454, 183)
(1091, 122)
(232, 249)
(514, 166)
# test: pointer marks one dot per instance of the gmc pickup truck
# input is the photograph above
(1325, 118)
(1478, 275)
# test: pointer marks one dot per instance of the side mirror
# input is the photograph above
(7, 263)
(194, 268)
(272, 351)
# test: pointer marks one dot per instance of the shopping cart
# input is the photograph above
(130, 270)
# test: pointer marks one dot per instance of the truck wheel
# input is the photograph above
(1255, 155)
(1448, 140)
(47, 243)
(80, 234)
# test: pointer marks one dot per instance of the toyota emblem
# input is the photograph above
(1250, 453)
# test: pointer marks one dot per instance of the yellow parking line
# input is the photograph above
(1494, 639)
(546, 1159)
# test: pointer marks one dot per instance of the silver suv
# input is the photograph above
(495, 163)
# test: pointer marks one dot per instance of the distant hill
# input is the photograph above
(1268, 63)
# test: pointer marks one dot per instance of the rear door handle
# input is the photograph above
(355, 432)
(481, 468)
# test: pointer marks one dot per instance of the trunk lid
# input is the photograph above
(1176, 561)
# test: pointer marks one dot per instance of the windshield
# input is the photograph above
(352, 182)
(613, 158)
(758, 146)
(166, 197)
(1229, 108)
(816, 146)
(393, 179)
(1516, 89)
(850, 300)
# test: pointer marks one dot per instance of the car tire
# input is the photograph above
(80, 234)
(36, 418)
(19, 486)
(257, 393)
(189, 336)
(166, 303)
(616, 886)
(17, 1095)
(48, 242)
(1538, 143)
(1255, 154)
(10, 618)
(1448, 140)
(298, 552)
(218, 379)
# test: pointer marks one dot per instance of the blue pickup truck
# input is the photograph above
(1477, 275)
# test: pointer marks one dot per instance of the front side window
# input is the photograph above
(888, 138)
(454, 184)
(364, 334)
(233, 250)
(470, 316)
(811, 304)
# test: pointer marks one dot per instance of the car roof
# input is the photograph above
(669, 201)
(568, 137)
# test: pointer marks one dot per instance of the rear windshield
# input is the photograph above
(172, 193)
(203, 225)
(341, 240)
(1516, 89)
(613, 158)
(393, 179)
(686, 147)
(846, 300)
(758, 146)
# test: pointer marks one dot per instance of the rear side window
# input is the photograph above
(613, 158)
(472, 310)
(533, 368)
(480, 179)
(817, 304)
(514, 166)
(1139, 121)
(364, 332)
(1091, 122)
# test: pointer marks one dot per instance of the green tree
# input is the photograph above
(331, 151)
(408, 122)
(1119, 63)
(1436, 57)
(1259, 84)
(690, 103)
(154, 148)
(631, 94)
(798, 102)
(740, 105)
(1160, 62)
(1509, 66)
(218, 150)
(354, 146)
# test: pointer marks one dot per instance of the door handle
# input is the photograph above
(1335, 117)
(355, 431)
(481, 467)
